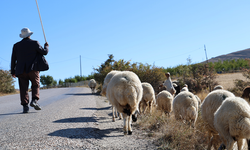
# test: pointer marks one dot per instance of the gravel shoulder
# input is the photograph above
(78, 121)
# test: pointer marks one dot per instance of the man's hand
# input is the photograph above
(46, 44)
(13, 75)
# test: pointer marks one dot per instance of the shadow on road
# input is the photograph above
(76, 120)
(16, 114)
(85, 133)
(104, 108)
(81, 94)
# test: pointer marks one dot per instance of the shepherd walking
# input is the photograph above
(23, 57)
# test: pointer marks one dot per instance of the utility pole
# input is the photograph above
(80, 67)
(209, 73)
(205, 52)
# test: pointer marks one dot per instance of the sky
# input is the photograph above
(163, 33)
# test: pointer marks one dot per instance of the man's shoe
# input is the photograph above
(35, 105)
(25, 108)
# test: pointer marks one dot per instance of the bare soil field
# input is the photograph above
(227, 80)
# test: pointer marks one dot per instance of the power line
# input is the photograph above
(4, 59)
(178, 55)
(63, 60)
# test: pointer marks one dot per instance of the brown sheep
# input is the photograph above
(246, 92)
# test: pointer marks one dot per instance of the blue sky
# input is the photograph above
(160, 32)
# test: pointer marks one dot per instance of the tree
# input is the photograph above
(60, 82)
(6, 82)
(104, 69)
(47, 80)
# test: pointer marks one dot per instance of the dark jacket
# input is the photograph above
(24, 54)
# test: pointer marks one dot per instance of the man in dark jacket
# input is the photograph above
(22, 59)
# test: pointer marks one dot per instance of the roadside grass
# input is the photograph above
(4, 94)
(170, 134)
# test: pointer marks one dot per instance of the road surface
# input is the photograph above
(71, 118)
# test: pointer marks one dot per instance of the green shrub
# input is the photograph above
(146, 73)
(6, 82)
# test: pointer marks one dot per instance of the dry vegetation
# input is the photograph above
(171, 134)
(227, 80)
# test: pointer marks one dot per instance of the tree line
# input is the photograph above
(198, 76)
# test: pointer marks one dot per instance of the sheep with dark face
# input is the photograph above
(176, 87)
(92, 85)
(246, 93)
(125, 91)
(185, 88)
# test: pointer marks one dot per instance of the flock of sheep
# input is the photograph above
(226, 116)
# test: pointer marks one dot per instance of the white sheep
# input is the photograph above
(148, 97)
(198, 99)
(232, 121)
(125, 91)
(169, 85)
(164, 101)
(185, 106)
(92, 85)
(104, 88)
(208, 107)
(218, 87)
(107, 80)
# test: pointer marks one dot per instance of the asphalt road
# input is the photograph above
(71, 118)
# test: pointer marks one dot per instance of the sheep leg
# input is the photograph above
(210, 139)
(230, 142)
(129, 124)
(116, 113)
(125, 124)
(239, 144)
(215, 139)
(150, 107)
(140, 106)
(113, 112)
(120, 115)
(145, 108)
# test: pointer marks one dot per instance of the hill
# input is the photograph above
(242, 54)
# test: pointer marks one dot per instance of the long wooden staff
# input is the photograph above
(41, 21)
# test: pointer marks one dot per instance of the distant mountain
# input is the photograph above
(235, 55)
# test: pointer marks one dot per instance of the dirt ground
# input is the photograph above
(227, 80)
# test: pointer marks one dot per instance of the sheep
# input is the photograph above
(164, 101)
(185, 106)
(246, 92)
(169, 85)
(185, 88)
(106, 81)
(208, 107)
(176, 87)
(125, 91)
(232, 121)
(148, 98)
(218, 87)
(104, 88)
(92, 85)
(198, 99)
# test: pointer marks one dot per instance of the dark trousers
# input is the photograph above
(23, 80)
